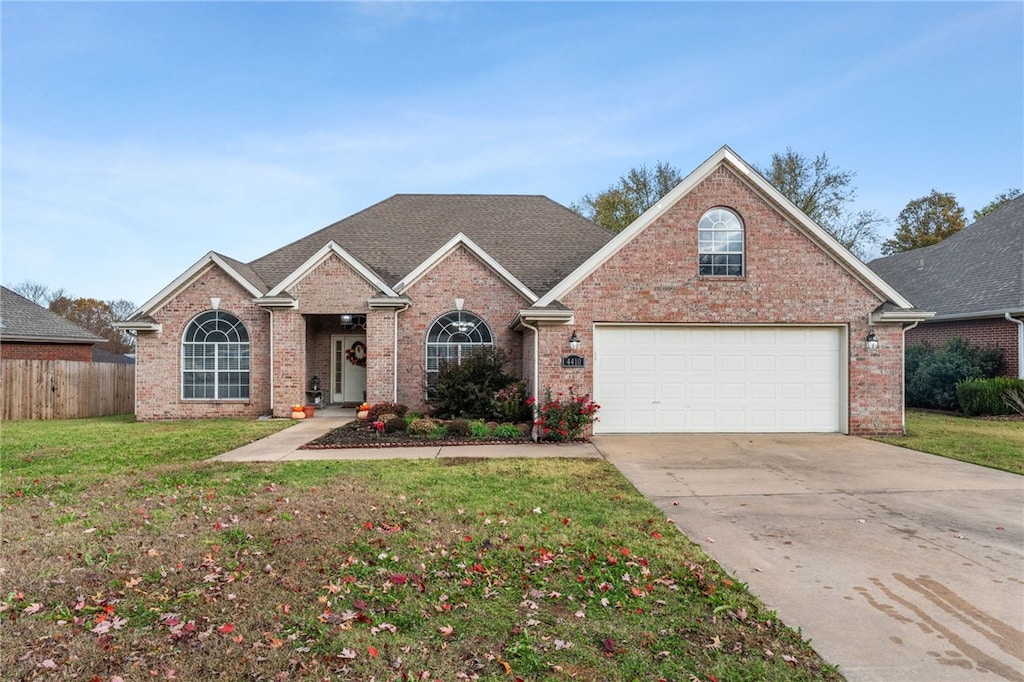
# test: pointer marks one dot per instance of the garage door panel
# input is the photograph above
(725, 379)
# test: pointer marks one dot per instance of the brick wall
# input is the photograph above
(986, 333)
(460, 275)
(788, 280)
(16, 350)
(158, 355)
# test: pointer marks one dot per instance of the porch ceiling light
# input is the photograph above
(872, 340)
(346, 319)
(574, 341)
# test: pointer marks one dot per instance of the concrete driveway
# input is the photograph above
(896, 564)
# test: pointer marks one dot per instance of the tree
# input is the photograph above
(98, 317)
(38, 293)
(636, 191)
(1008, 195)
(926, 221)
(823, 192)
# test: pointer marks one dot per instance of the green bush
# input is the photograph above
(465, 389)
(987, 396)
(394, 425)
(479, 429)
(931, 374)
(507, 431)
(511, 405)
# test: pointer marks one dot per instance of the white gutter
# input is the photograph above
(536, 369)
(270, 311)
(1020, 344)
(394, 356)
(903, 373)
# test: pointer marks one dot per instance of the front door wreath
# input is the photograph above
(356, 354)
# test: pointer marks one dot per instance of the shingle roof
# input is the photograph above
(23, 320)
(536, 239)
(979, 269)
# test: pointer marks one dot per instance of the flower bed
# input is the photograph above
(358, 434)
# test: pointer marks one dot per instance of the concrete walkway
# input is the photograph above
(284, 446)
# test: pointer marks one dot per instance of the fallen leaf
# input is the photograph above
(226, 628)
(716, 643)
(446, 630)
(372, 651)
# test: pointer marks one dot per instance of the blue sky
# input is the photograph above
(139, 136)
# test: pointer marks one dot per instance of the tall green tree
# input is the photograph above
(1008, 195)
(824, 192)
(926, 221)
(635, 192)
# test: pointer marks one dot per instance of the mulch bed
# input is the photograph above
(358, 434)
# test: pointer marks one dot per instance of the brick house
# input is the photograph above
(973, 281)
(30, 332)
(722, 308)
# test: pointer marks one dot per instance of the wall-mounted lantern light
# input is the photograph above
(872, 340)
(574, 341)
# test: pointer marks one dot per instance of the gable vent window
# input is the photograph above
(720, 235)
(215, 358)
(453, 337)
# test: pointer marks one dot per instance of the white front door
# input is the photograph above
(348, 368)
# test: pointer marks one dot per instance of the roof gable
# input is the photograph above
(726, 157)
(23, 320)
(461, 240)
(330, 249)
(977, 271)
(211, 259)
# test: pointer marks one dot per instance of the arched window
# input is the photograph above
(453, 336)
(720, 237)
(215, 358)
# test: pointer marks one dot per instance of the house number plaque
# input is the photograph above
(573, 361)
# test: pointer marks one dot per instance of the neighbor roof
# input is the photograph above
(536, 239)
(23, 320)
(977, 272)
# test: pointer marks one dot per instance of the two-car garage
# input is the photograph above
(719, 378)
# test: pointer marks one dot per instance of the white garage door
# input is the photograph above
(674, 379)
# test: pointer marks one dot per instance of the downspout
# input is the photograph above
(270, 311)
(1020, 344)
(536, 369)
(903, 373)
(394, 356)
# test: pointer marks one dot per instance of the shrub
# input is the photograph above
(465, 389)
(565, 418)
(508, 431)
(421, 427)
(381, 409)
(932, 374)
(459, 427)
(510, 404)
(478, 429)
(1015, 399)
(987, 396)
(394, 425)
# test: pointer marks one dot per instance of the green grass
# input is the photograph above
(456, 569)
(990, 443)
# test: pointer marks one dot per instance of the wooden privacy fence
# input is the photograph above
(61, 389)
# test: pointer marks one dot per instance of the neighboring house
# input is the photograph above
(721, 308)
(973, 281)
(30, 332)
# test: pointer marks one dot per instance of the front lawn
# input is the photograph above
(127, 559)
(988, 442)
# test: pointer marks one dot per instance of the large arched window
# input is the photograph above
(453, 336)
(215, 358)
(720, 237)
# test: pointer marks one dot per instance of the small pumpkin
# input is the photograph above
(298, 414)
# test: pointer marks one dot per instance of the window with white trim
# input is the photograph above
(720, 237)
(453, 336)
(215, 358)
